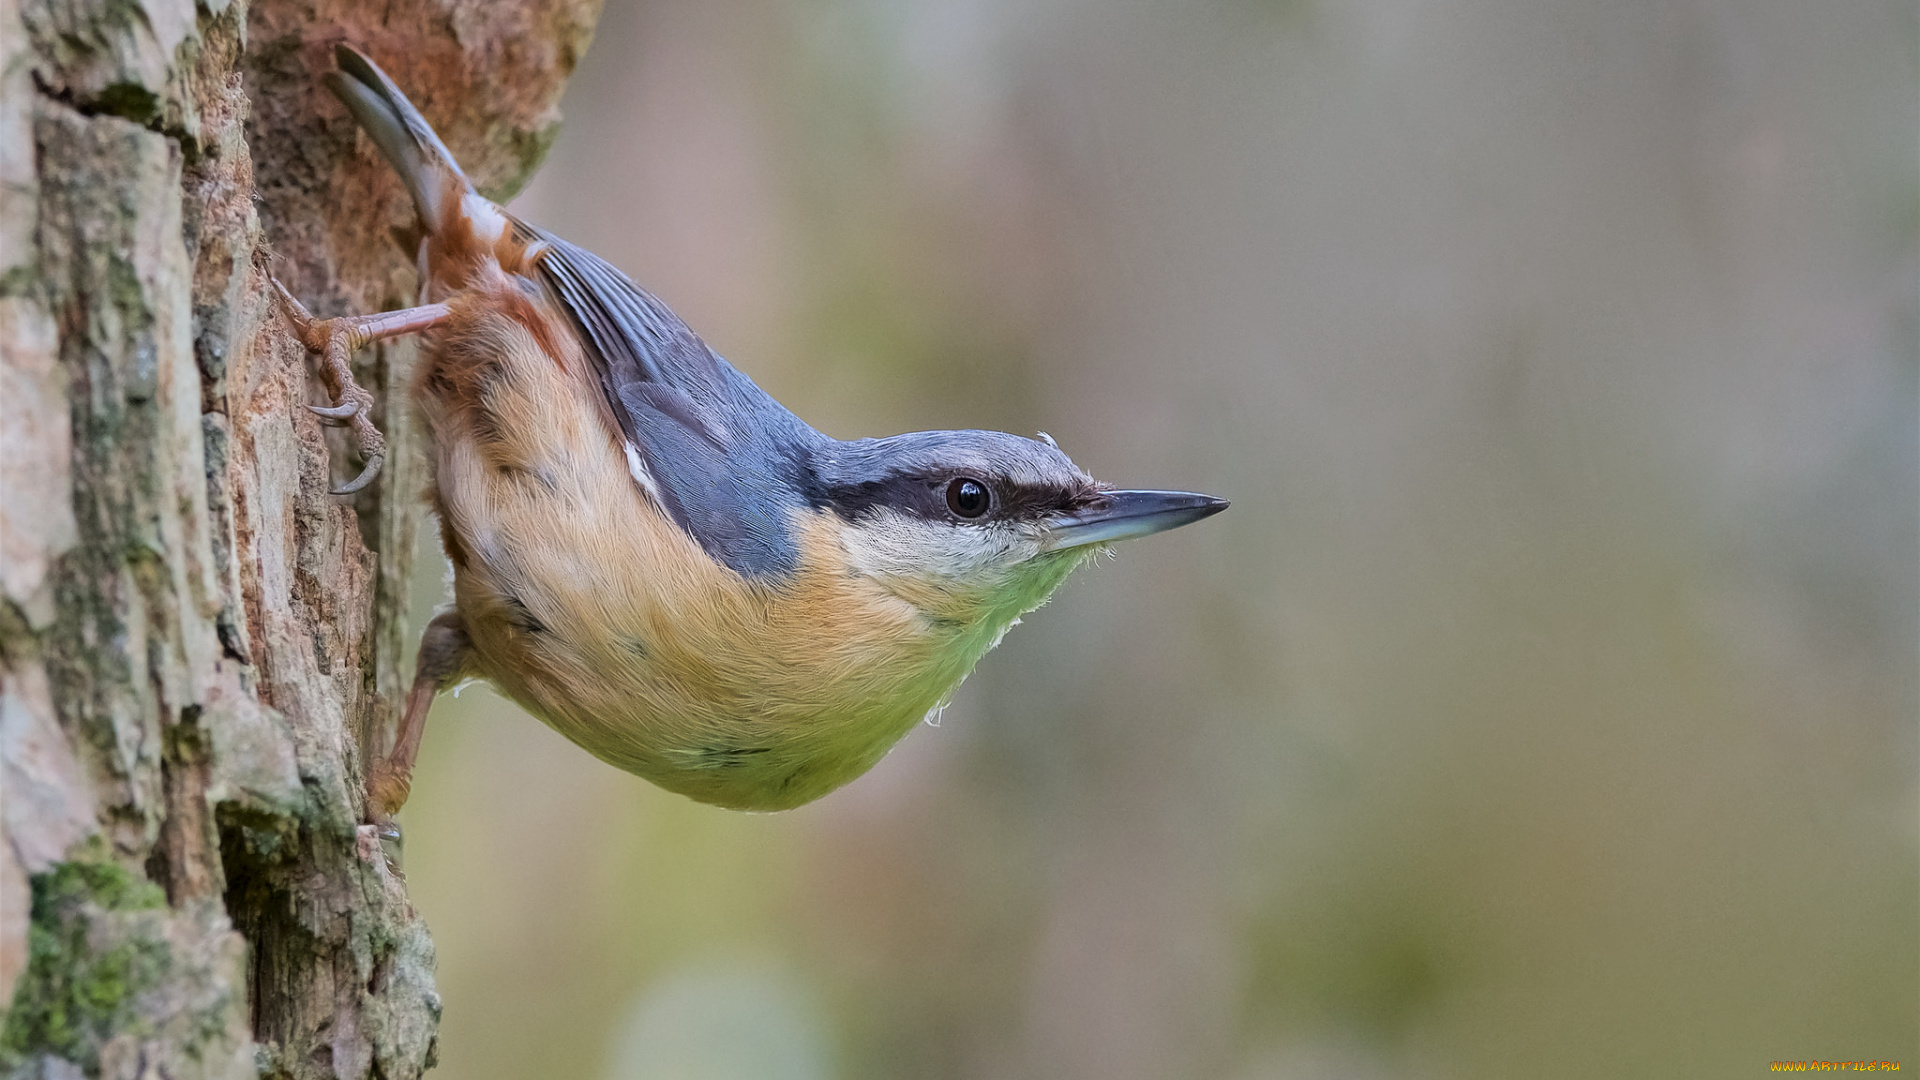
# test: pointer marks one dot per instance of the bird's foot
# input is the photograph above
(381, 839)
(387, 790)
(334, 341)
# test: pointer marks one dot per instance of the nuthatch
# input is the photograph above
(656, 558)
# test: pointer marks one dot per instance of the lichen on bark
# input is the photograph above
(198, 645)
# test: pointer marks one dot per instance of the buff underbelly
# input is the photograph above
(599, 615)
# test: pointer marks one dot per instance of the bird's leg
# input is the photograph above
(445, 652)
(334, 340)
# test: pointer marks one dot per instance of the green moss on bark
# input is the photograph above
(85, 965)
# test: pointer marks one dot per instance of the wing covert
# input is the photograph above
(724, 455)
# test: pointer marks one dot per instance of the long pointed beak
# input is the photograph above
(1123, 515)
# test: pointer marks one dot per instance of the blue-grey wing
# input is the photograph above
(726, 459)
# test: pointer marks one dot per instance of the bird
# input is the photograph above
(653, 556)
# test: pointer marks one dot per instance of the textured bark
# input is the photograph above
(198, 645)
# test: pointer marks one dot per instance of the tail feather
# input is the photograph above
(404, 137)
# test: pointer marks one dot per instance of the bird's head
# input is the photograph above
(974, 528)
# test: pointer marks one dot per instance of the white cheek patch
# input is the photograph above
(889, 543)
(880, 544)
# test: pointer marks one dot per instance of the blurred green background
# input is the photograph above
(1547, 705)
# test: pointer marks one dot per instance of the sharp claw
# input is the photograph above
(393, 845)
(334, 340)
(366, 476)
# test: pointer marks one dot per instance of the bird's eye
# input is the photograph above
(967, 497)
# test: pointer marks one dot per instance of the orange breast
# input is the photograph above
(594, 610)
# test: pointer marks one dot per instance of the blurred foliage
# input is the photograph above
(1545, 706)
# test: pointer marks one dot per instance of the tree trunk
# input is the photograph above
(198, 645)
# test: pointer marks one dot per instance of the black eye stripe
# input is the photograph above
(906, 494)
(926, 497)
